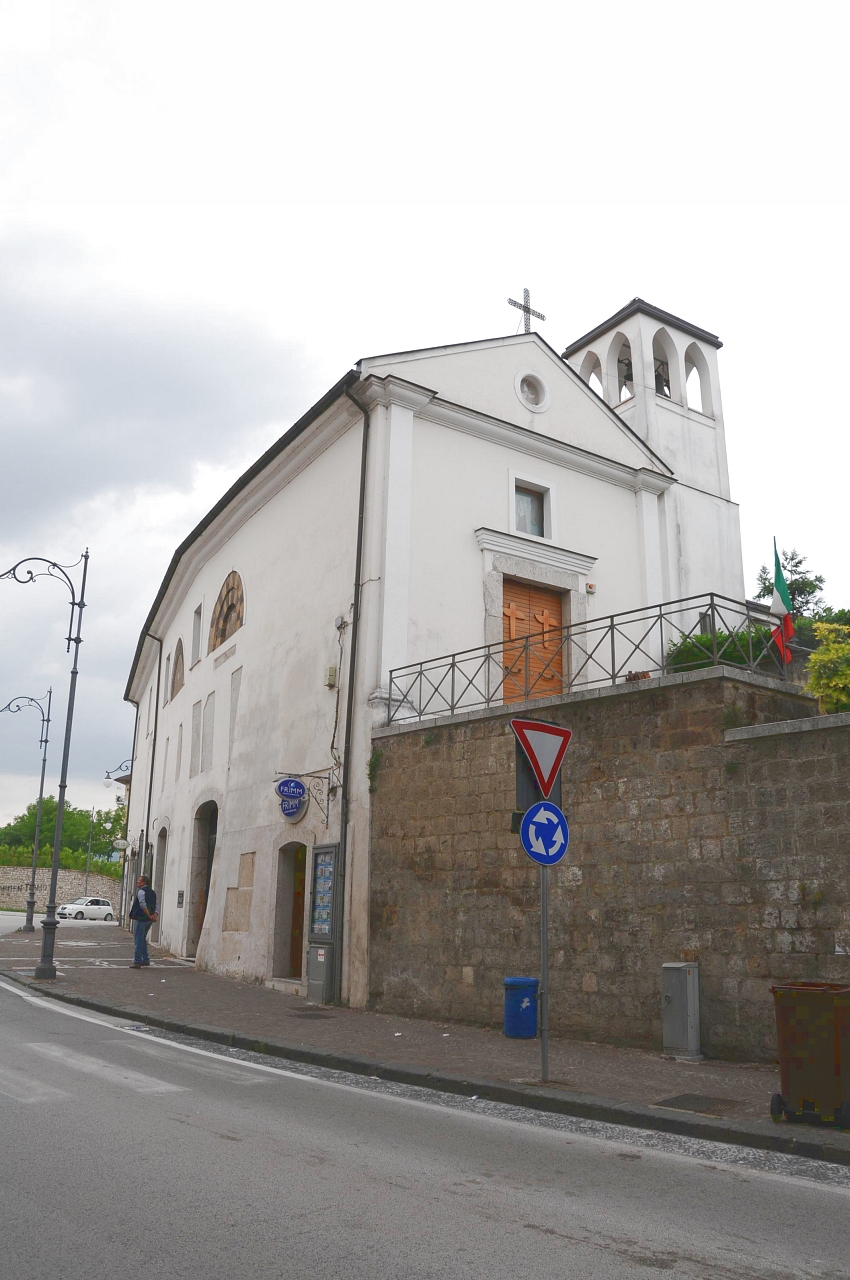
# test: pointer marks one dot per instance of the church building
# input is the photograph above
(431, 502)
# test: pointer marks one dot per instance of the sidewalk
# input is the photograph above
(718, 1100)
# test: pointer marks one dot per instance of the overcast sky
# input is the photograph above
(209, 212)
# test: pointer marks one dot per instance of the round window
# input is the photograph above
(532, 391)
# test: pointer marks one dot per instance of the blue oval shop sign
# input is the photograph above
(293, 796)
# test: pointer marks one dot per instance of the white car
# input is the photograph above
(86, 909)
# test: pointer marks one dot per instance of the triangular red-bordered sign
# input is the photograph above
(544, 745)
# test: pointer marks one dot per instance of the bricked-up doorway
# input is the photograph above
(203, 852)
(534, 670)
(159, 878)
(288, 955)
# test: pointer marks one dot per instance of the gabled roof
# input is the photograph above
(376, 364)
(500, 339)
(647, 309)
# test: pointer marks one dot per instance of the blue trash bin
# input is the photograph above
(521, 1008)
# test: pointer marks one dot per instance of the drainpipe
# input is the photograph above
(126, 867)
(144, 851)
(349, 698)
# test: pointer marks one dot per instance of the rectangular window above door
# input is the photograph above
(530, 506)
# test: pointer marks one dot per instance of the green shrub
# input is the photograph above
(829, 667)
(733, 649)
(70, 859)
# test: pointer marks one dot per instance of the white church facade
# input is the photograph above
(429, 500)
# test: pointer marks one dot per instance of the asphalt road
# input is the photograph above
(10, 921)
(127, 1153)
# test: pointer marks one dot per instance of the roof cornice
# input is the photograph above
(497, 431)
(364, 367)
(477, 344)
(635, 307)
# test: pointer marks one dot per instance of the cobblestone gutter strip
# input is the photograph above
(833, 1146)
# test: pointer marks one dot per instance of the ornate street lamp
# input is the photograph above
(51, 569)
(112, 774)
(18, 704)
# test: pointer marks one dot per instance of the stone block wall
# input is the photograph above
(14, 887)
(683, 846)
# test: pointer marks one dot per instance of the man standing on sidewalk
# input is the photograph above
(143, 914)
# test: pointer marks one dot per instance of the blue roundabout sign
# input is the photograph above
(544, 833)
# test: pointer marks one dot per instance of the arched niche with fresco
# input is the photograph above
(229, 611)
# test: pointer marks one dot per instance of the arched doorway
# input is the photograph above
(287, 959)
(203, 852)
(159, 877)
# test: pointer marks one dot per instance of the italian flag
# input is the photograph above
(780, 607)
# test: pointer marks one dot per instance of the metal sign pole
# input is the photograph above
(544, 834)
(544, 974)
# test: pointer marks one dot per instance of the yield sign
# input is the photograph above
(544, 745)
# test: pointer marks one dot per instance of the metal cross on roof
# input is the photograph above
(525, 308)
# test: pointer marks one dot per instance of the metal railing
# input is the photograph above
(683, 635)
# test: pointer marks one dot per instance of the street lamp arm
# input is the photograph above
(18, 704)
(21, 573)
(119, 768)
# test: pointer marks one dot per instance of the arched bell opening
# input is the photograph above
(591, 372)
(698, 381)
(665, 361)
(625, 372)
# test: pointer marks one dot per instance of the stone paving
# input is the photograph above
(93, 961)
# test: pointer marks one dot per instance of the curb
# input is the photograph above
(763, 1137)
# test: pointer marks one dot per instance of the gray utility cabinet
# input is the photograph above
(680, 1010)
(320, 973)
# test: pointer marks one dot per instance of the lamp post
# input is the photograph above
(17, 704)
(20, 572)
(113, 775)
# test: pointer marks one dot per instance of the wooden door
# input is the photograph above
(533, 669)
(296, 937)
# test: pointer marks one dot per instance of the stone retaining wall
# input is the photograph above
(14, 887)
(683, 846)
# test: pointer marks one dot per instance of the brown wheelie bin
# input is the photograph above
(813, 1030)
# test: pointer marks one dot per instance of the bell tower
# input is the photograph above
(659, 374)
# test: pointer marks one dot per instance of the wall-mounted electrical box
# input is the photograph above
(330, 677)
(680, 1011)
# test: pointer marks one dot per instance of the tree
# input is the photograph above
(804, 588)
(20, 833)
(805, 627)
(829, 666)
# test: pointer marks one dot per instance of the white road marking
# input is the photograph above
(252, 1066)
(224, 1068)
(54, 1006)
(106, 1071)
(14, 1084)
